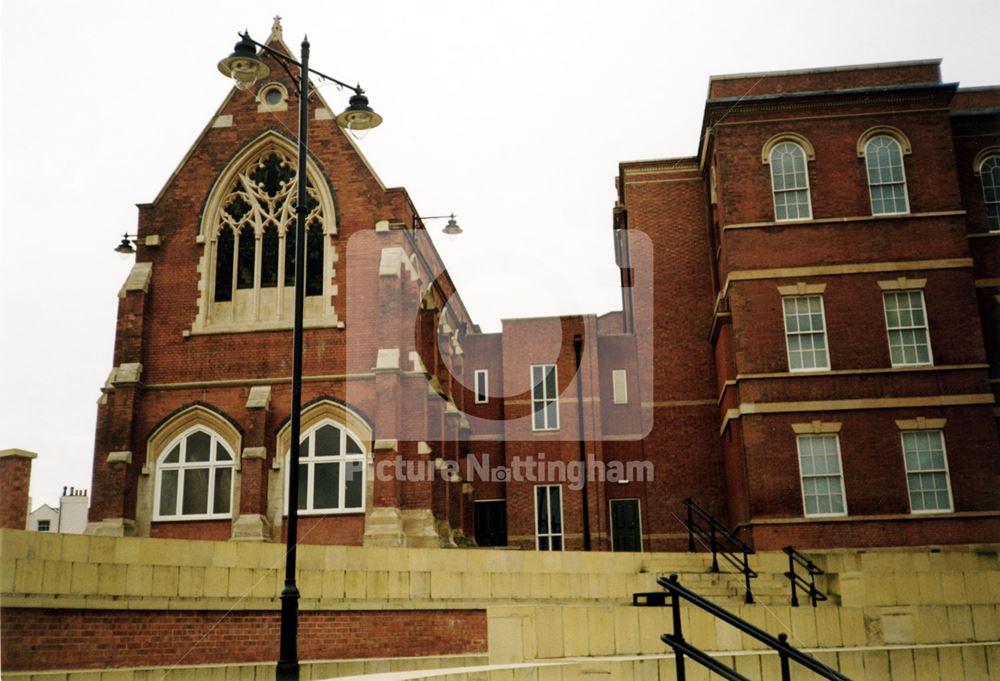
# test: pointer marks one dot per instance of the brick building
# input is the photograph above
(807, 341)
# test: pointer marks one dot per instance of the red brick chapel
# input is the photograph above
(808, 344)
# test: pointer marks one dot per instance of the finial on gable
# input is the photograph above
(276, 29)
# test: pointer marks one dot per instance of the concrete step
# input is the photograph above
(678, 562)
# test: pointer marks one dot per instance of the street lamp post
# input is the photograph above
(246, 67)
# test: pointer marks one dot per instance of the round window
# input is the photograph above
(273, 96)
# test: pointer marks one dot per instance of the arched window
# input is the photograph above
(886, 176)
(989, 174)
(331, 470)
(194, 477)
(790, 182)
(249, 232)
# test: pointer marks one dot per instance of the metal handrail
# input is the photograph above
(797, 581)
(702, 658)
(714, 535)
(778, 643)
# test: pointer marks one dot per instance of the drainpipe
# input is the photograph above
(577, 349)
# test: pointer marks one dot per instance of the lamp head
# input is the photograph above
(358, 116)
(452, 230)
(125, 249)
(243, 65)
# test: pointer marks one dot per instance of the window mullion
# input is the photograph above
(310, 472)
(342, 478)
(209, 502)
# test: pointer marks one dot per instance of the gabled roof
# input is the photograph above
(276, 42)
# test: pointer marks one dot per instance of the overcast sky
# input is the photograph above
(514, 115)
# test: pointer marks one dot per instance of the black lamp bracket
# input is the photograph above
(286, 61)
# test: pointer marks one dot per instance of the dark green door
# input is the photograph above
(626, 534)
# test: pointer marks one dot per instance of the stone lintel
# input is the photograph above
(387, 360)
(120, 457)
(138, 278)
(127, 373)
(392, 262)
(259, 397)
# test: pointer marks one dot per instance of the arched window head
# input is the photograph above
(194, 477)
(248, 228)
(331, 470)
(790, 182)
(886, 175)
(989, 175)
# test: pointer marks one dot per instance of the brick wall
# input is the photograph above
(38, 639)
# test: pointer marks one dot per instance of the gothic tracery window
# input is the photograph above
(255, 234)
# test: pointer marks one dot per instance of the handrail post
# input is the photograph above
(715, 558)
(791, 578)
(812, 586)
(746, 577)
(675, 606)
(786, 673)
(690, 527)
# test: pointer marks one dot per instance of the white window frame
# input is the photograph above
(212, 464)
(902, 166)
(343, 459)
(993, 226)
(485, 392)
(48, 525)
(619, 386)
(775, 191)
(926, 328)
(945, 470)
(562, 519)
(545, 400)
(788, 334)
(802, 476)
